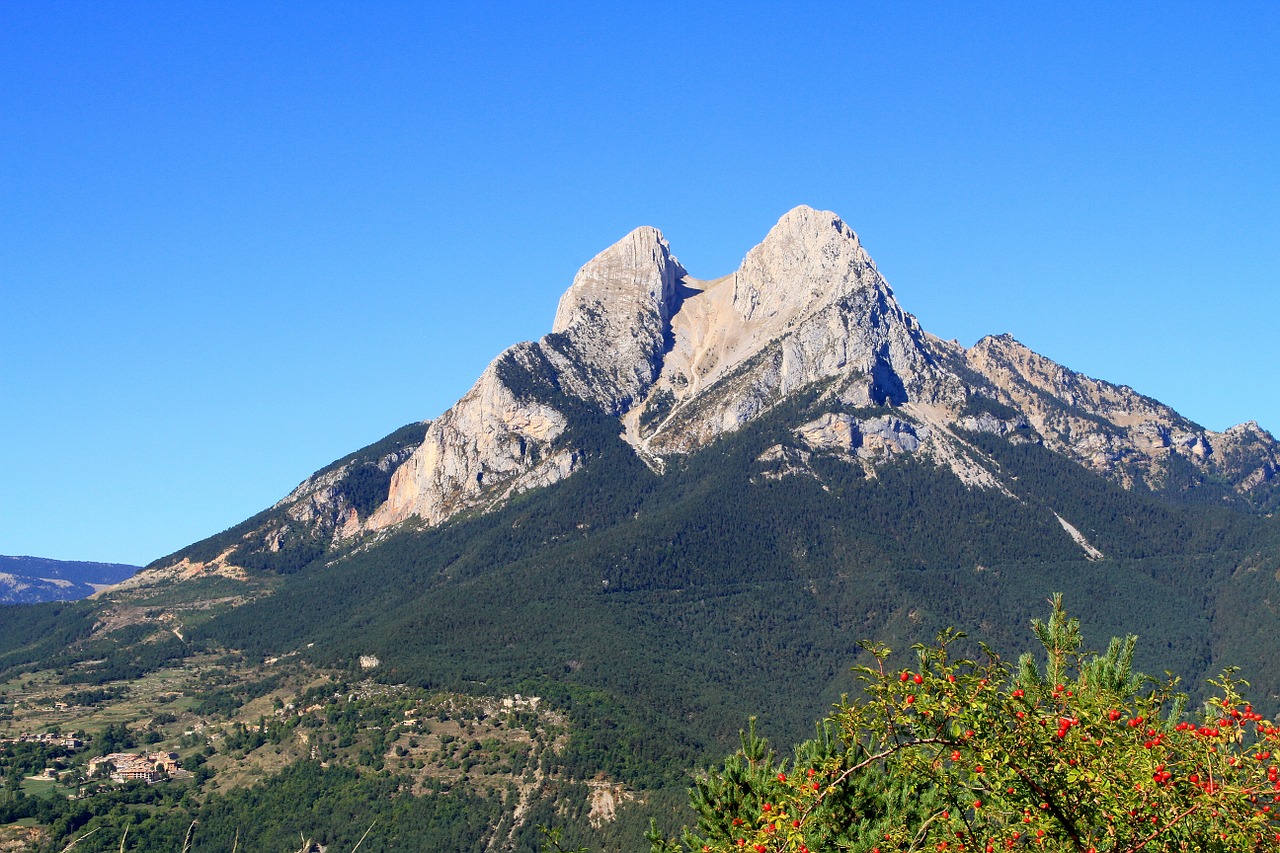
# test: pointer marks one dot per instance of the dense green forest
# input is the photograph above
(677, 595)
(654, 612)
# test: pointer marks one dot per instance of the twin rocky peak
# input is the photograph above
(679, 362)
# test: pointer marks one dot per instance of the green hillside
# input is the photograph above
(651, 613)
(688, 600)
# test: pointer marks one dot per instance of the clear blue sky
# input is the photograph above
(241, 240)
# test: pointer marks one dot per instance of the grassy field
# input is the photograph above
(32, 699)
(45, 788)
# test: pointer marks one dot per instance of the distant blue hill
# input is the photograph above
(27, 580)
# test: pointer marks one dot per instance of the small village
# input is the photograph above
(118, 767)
(147, 767)
(67, 742)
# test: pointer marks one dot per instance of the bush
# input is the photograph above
(1072, 752)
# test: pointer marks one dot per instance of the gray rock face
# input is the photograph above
(807, 305)
(320, 505)
(605, 349)
(489, 446)
(873, 439)
(1013, 428)
(612, 324)
(1248, 455)
(1120, 433)
(680, 361)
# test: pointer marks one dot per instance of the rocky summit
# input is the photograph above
(679, 362)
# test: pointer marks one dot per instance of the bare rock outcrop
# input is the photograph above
(490, 441)
(502, 438)
(680, 362)
(1120, 433)
(612, 325)
(807, 305)
(323, 506)
(869, 438)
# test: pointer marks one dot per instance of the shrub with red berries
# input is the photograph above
(1073, 754)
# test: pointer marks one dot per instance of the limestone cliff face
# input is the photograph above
(605, 350)
(680, 362)
(612, 325)
(1118, 432)
(1249, 456)
(807, 305)
(323, 504)
(490, 445)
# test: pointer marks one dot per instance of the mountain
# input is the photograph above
(688, 503)
(786, 441)
(25, 580)
(679, 363)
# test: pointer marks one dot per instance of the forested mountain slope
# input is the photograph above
(26, 580)
(692, 499)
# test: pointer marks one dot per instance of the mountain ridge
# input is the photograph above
(679, 361)
(26, 580)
